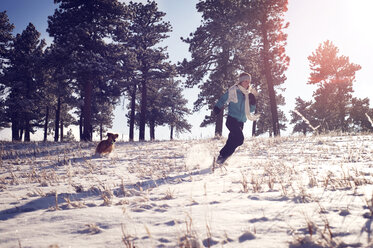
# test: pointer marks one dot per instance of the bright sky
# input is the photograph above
(345, 22)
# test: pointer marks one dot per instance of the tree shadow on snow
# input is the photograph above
(49, 202)
(151, 183)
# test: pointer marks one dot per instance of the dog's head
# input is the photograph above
(112, 137)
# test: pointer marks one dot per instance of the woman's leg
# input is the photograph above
(235, 137)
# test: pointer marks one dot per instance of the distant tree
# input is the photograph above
(303, 108)
(156, 105)
(264, 124)
(147, 30)
(127, 63)
(59, 97)
(166, 106)
(214, 60)
(104, 102)
(177, 110)
(6, 39)
(103, 118)
(82, 28)
(334, 76)
(132, 95)
(22, 78)
(357, 115)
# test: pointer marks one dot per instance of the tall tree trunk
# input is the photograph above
(132, 114)
(81, 124)
(57, 120)
(143, 110)
(46, 124)
(172, 132)
(15, 128)
(269, 79)
(152, 130)
(20, 133)
(219, 124)
(253, 131)
(101, 130)
(87, 109)
(27, 129)
(61, 139)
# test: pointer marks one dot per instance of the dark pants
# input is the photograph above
(235, 137)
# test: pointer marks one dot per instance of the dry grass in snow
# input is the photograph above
(278, 192)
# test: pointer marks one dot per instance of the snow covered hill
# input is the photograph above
(274, 192)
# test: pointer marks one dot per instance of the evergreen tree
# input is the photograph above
(23, 79)
(126, 58)
(103, 118)
(148, 30)
(59, 97)
(265, 124)
(166, 106)
(266, 25)
(6, 39)
(132, 93)
(357, 115)
(80, 28)
(238, 35)
(214, 60)
(303, 108)
(177, 110)
(334, 76)
(156, 101)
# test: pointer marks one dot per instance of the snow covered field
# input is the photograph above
(282, 192)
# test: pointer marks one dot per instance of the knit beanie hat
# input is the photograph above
(244, 77)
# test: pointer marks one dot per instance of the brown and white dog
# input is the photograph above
(106, 146)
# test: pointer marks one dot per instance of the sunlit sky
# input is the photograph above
(347, 23)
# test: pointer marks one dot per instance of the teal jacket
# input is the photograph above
(235, 110)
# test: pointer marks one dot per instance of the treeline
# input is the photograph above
(101, 50)
(105, 49)
(246, 35)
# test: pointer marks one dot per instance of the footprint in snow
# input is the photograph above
(246, 236)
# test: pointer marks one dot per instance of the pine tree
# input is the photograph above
(303, 108)
(148, 30)
(103, 118)
(177, 110)
(238, 35)
(266, 24)
(125, 55)
(265, 124)
(23, 79)
(167, 107)
(214, 60)
(132, 93)
(59, 97)
(358, 112)
(334, 76)
(6, 39)
(80, 27)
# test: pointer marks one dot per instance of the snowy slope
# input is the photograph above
(282, 192)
